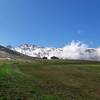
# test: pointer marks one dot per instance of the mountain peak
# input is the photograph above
(27, 46)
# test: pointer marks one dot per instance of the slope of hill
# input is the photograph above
(6, 53)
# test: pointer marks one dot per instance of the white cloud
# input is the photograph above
(73, 50)
(77, 50)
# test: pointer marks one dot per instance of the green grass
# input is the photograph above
(49, 80)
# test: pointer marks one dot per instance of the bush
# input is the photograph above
(53, 57)
(45, 58)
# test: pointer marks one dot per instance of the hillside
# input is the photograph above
(6, 53)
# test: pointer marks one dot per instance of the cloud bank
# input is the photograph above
(77, 50)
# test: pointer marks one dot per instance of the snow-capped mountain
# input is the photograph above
(36, 51)
(74, 50)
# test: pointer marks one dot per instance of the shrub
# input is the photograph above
(53, 57)
(45, 58)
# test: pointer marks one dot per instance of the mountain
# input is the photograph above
(70, 51)
(36, 51)
(8, 53)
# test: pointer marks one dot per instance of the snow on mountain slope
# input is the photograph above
(74, 50)
(35, 51)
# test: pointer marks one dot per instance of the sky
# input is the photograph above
(51, 23)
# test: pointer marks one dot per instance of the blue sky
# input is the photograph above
(49, 22)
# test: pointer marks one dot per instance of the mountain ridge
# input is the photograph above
(8, 53)
(74, 50)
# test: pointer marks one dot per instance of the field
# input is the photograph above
(49, 80)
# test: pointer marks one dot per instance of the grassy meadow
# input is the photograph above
(49, 80)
